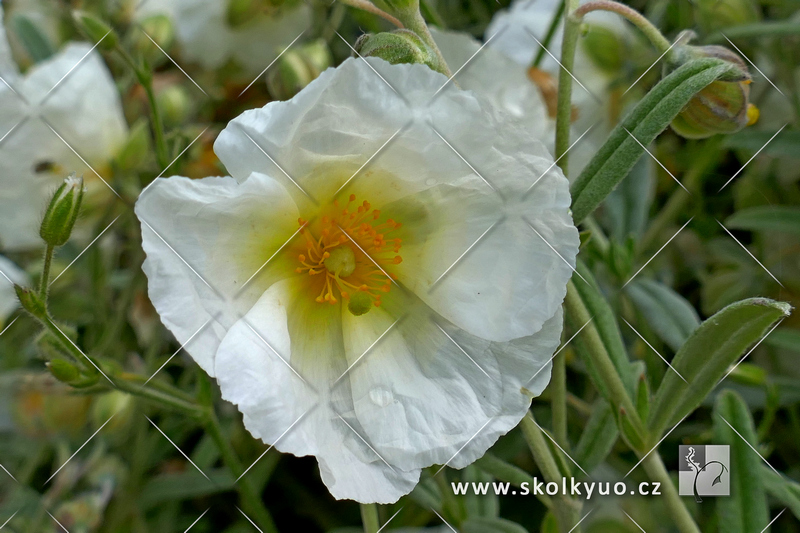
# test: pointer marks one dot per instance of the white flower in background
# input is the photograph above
(512, 32)
(207, 38)
(498, 79)
(367, 298)
(9, 274)
(82, 104)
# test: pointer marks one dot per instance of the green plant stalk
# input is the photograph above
(250, 500)
(548, 37)
(558, 399)
(619, 396)
(366, 5)
(572, 28)
(566, 510)
(369, 517)
(413, 20)
(656, 470)
(44, 282)
(679, 198)
(145, 78)
(638, 20)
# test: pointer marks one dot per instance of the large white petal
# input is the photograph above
(428, 393)
(277, 365)
(204, 240)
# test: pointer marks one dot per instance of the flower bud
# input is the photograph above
(176, 104)
(158, 27)
(721, 107)
(31, 301)
(297, 68)
(63, 370)
(96, 30)
(604, 47)
(61, 214)
(399, 46)
(137, 147)
(715, 15)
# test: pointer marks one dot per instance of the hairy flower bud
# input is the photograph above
(604, 47)
(399, 46)
(97, 30)
(63, 370)
(721, 107)
(61, 214)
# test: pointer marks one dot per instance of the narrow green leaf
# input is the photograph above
(184, 486)
(783, 145)
(703, 360)
(782, 489)
(647, 120)
(670, 316)
(36, 44)
(495, 525)
(626, 207)
(746, 510)
(604, 319)
(480, 505)
(781, 218)
(598, 437)
(504, 471)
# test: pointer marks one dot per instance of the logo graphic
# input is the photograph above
(704, 471)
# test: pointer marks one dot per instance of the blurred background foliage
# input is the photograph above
(130, 478)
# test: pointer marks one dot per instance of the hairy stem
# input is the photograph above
(369, 517)
(655, 468)
(638, 20)
(366, 5)
(44, 282)
(564, 106)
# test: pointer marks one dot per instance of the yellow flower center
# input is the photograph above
(348, 249)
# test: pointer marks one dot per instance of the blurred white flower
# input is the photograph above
(357, 289)
(515, 32)
(207, 37)
(9, 274)
(68, 102)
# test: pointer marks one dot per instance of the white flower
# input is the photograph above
(369, 298)
(512, 32)
(9, 274)
(71, 95)
(206, 37)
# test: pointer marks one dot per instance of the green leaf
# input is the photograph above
(480, 505)
(495, 525)
(780, 218)
(626, 207)
(504, 471)
(647, 120)
(783, 145)
(36, 44)
(782, 489)
(746, 510)
(184, 486)
(604, 320)
(670, 316)
(598, 437)
(707, 354)
(786, 338)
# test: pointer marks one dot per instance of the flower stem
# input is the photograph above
(655, 468)
(145, 78)
(414, 21)
(558, 398)
(366, 5)
(564, 107)
(251, 501)
(566, 509)
(369, 517)
(646, 27)
(45, 281)
(548, 37)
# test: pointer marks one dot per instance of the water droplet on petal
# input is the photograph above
(381, 397)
